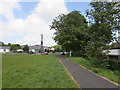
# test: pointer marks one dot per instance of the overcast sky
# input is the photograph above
(23, 22)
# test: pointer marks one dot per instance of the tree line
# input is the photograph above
(14, 47)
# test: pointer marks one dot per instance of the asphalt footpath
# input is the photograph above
(86, 79)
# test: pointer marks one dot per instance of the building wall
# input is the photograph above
(1, 50)
(114, 52)
(33, 50)
(4, 50)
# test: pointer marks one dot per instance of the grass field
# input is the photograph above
(111, 75)
(34, 71)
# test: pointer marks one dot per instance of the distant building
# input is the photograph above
(4, 49)
(114, 54)
(37, 48)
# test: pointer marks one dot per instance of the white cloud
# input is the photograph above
(35, 24)
(7, 6)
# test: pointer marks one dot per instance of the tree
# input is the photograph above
(15, 47)
(57, 47)
(71, 31)
(105, 12)
(1, 44)
(26, 48)
(9, 44)
(103, 21)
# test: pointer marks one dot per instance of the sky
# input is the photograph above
(23, 22)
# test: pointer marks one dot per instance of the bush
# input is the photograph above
(114, 65)
(96, 70)
(78, 53)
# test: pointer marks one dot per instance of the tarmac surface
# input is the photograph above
(86, 79)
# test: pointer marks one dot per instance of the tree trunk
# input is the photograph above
(70, 53)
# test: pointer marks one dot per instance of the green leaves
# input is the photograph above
(104, 20)
(70, 30)
(15, 47)
(26, 48)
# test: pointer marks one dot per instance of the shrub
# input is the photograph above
(114, 65)
(78, 53)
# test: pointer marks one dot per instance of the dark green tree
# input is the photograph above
(26, 48)
(9, 44)
(103, 20)
(105, 15)
(15, 47)
(70, 31)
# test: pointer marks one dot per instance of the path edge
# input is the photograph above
(118, 85)
(69, 74)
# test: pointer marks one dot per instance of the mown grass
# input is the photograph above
(111, 75)
(34, 71)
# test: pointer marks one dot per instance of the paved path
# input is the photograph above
(85, 78)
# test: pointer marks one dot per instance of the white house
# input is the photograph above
(37, 48)
(4, 49)
(114, 54)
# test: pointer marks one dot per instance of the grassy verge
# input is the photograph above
(34, 71)
(111, 75)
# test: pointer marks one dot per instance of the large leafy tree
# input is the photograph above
(70, 31)
(15, 47)
(57, 47)
(26, 48)
(104, 20)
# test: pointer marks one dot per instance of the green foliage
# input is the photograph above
(71, 31)
(103, 21)
(78, 53)
(57, 47)
(95, 54)
(105, 12)
(3, 44)
(9, 44)
(115, 45)
(108, 73)
(114, 65)
(15, 47)
(26, 48)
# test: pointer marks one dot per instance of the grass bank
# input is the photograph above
(34, 71)
(111, 75)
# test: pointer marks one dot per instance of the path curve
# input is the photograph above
(85, 78)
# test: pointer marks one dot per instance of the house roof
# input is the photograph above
(4, 47)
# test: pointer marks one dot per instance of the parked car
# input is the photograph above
(30, 52)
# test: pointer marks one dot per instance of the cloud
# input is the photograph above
(35, 24)
(7, 6)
